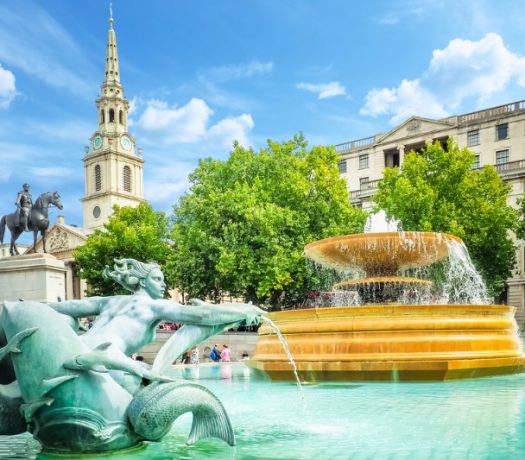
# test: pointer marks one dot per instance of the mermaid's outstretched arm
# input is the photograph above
(88, 306)
(206, 314)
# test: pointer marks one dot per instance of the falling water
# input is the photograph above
(284, 343)
(463, 284)
(335, 298)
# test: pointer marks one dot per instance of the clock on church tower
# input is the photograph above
(113, 172)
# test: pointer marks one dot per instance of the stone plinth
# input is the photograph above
(38, 277)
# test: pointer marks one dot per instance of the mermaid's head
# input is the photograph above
(136, 276)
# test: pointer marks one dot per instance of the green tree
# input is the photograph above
(437, 190)
(136, 232)
(520, 227)
(243, 226)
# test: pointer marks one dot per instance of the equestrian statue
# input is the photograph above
(29, 217)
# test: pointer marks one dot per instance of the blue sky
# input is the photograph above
(200, 74)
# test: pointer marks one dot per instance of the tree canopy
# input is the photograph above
(243, 225)
(131, 232)
(437, 190)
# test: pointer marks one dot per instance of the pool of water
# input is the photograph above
(469, 419)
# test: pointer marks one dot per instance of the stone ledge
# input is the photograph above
(31, 262)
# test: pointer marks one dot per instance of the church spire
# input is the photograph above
(112, 75)
(113, 171)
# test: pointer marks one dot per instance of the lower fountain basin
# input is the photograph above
(392, 342)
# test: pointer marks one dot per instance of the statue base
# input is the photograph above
(40, 277)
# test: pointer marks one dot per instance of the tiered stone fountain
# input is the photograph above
(382, 338)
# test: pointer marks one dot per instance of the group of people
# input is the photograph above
(223, 355)
(216, 355)
(167, 326)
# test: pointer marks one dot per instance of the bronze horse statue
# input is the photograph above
(38, 221)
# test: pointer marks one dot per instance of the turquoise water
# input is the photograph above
(470, 419)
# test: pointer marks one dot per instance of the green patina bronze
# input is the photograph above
(83, 393)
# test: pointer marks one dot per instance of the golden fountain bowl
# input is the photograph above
(380, 253)
(389, 342)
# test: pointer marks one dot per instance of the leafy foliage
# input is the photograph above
(243, 226)
(132, 232)
(439, 191)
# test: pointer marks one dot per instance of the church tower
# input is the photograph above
(113, 167)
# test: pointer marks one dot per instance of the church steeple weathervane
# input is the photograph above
(113, 172)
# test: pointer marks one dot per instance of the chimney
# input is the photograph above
(60, 220)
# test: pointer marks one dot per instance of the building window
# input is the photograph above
(121, 117)
(476, 163)
(502, 157)
(98, 178)
(473, 137)
(342, 167)
(502, 131)
(126, 178)
(111, 116)
(363, 182)
(363, 161)
(102, 117)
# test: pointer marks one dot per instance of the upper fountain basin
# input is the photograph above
(382, 253)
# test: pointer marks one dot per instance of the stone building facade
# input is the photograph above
(496, 136)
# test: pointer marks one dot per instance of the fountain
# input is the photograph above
(401, 327)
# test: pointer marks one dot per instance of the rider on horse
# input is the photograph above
(24, 203)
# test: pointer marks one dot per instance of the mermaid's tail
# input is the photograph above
(155, 408)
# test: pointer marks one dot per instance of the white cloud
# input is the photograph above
(7, 87)
(324, 90)
(231, 129)
(177, 125)
(190, 124)
(477, 69)
(463, 70)
(407, 100)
